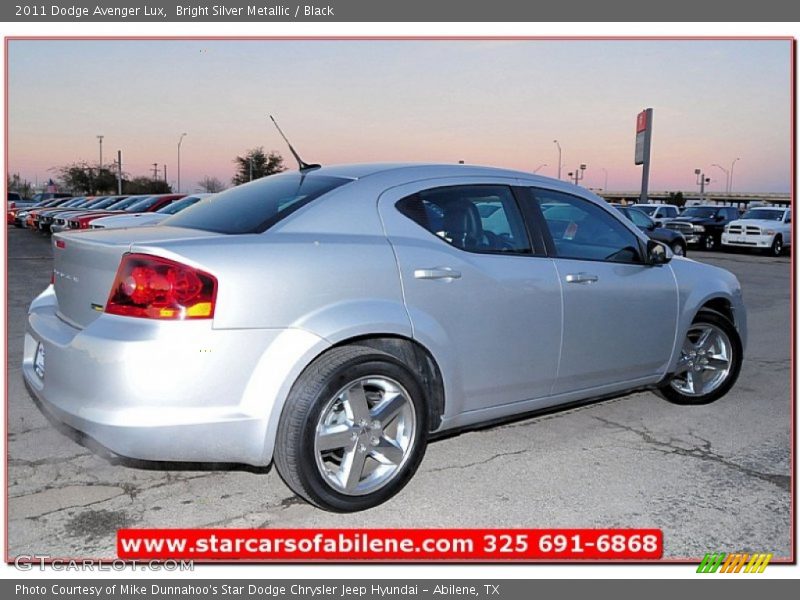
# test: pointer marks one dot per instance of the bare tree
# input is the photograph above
(211, 185)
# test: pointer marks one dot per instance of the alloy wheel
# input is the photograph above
(706, 359)
(364, 435)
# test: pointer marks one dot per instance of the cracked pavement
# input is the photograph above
(714, 478)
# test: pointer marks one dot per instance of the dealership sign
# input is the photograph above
(644, 130)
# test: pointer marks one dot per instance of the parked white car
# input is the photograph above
(660, 213)
(768, 229)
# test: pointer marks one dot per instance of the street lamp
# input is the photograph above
(727, 176)
(536, 170)
(577, 175)
(100, 137)
(730, 184)
(180, 141)
(702, 180)
(559, 157)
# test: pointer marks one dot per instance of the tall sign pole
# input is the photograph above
(644, 131)
(119, 172)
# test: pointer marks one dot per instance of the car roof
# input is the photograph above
(392, 174)
(363, 170)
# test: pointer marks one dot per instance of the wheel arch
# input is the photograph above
(420, 359)
(405, 349)
(720, 305)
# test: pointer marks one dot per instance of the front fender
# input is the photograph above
(698, 285)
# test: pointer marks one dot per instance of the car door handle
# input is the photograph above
(581, 278)
(437, 273)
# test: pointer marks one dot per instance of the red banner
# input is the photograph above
(641, 121)
(391, 544)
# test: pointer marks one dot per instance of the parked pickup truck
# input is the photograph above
(768, 229)
(703, 225)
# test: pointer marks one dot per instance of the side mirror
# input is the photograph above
(658, 253)
(720, 217)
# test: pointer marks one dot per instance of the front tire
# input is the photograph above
(710, 361)
(353, 430)
(709, 242)
(777, 246)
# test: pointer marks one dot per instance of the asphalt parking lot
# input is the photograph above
(714, 478)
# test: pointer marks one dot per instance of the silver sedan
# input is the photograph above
(332, 319)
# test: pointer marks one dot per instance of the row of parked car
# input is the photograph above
(764, 228)
(97, 212)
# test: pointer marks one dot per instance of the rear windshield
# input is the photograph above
(255, 206)
(700, 211)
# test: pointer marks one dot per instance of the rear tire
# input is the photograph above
(353, 430)
(708, 368)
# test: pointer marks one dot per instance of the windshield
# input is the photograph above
(74, 202)
(648, 210)
(143, 204)
(123, 204)
(108, 202)
(704, 212)
(764, 214)
(175, 207)
(90, 202)
(255, 206)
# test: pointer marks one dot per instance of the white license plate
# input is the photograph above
(737, 239)
(38, 361)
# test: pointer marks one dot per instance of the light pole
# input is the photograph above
(577, 175)
(702, 180)
(727, 176)
(180, 141)
(605, 180)
(559, 157)
(730, 184)
(100, 137)
(536, 170)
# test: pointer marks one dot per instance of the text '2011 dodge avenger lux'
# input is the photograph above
(331, 319)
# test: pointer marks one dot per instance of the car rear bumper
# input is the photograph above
(165, 391)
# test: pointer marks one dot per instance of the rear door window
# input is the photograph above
(474, 218)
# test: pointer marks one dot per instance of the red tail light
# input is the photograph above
(152, 287)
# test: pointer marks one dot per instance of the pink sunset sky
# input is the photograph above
(499, 103)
